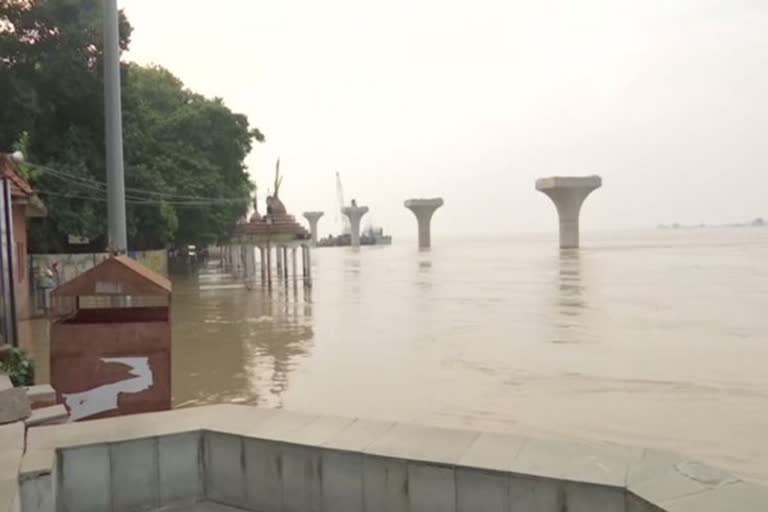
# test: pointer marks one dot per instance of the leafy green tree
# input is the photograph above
(178, 144)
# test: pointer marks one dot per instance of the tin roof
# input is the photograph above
(118, 275)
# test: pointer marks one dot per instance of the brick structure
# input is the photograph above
(25, 205)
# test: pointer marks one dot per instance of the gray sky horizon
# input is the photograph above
(472, 101)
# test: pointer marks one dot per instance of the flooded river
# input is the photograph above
(656, 338)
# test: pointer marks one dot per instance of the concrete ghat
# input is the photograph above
(273, 460)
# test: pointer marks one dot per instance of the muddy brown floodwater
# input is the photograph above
(655, 338)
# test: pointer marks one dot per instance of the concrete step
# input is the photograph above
(14, 405)
(47, 416)
(41, 395)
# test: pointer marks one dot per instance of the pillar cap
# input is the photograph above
(354, 210)
(553, 182)
(435, 202)
(315, 215)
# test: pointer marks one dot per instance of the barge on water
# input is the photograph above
(371, 236)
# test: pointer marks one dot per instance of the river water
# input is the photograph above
(654, 338)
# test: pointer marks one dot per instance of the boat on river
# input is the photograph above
(371, 236)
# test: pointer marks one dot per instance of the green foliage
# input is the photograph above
(176, 142)
(19, 368)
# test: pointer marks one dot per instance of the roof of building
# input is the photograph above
(118, 275)
(272, 224)
(19, 186)
(21, 190)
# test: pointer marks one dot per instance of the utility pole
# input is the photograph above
(117, 231)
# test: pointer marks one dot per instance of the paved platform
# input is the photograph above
(272, 459)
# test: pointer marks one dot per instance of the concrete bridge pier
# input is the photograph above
(354, 213)
(568, 194)
(423, 209)
(313, 218)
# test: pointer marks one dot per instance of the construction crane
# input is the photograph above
(340, 200)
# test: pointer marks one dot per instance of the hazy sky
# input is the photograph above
(473, 100)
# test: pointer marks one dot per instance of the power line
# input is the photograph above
(101, 186)
(95, 187)
(146, 202)
(132, 192)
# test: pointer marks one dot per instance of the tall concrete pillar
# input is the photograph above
(354, 214)
(568, 194)
(313, 218)
(423, 209)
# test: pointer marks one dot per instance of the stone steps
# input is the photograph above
(51, 415)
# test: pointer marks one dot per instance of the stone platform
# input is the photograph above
(210, 458)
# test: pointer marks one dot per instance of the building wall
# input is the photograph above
(153, 260)
(65, 267)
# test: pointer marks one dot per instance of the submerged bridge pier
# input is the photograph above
(568, 194)
(423, 209)
(354, 213)
(313, 218)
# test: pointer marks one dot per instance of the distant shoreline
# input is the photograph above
(756, 223)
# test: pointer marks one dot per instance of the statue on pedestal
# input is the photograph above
(274, 205)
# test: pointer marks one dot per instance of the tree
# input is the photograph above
(178, 144)
(191, 146)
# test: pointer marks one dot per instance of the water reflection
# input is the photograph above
(235, 345)
(476, 351)
(352, 265)
(423, 278)
(570, 301)
(274, 346)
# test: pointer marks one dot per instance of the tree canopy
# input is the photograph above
(186, 180)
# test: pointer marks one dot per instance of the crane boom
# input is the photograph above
(340, 200)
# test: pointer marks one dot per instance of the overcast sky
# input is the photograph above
(473, 100)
